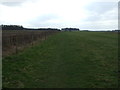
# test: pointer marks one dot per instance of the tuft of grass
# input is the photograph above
(65, 60)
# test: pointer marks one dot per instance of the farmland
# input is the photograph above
(65, 60)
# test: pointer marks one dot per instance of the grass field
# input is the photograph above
(65, 60)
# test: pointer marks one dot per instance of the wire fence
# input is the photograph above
(15, 41)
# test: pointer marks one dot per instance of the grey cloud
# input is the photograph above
(101, 7)
(46, 25)
(43, 20)
(47, 17)
(12, 3)
(96, 26)
(93, 18)
(100, 10)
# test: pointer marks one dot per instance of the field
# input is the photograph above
(65, 60)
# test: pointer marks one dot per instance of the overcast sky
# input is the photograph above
(82, 14)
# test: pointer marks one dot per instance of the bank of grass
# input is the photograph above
(65, 60)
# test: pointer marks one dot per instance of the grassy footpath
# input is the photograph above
(65, 60)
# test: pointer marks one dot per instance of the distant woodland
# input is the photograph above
(19, 27)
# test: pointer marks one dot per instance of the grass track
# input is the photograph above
(65, 60)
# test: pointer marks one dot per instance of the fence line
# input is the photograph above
(13, 42)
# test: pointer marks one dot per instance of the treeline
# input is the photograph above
(18, 27)
(42, 29)
(70, 29)
(12, 27)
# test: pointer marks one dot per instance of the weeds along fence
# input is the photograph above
(14, 41)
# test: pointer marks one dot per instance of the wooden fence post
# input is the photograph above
(32, 39)
(16, 45)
